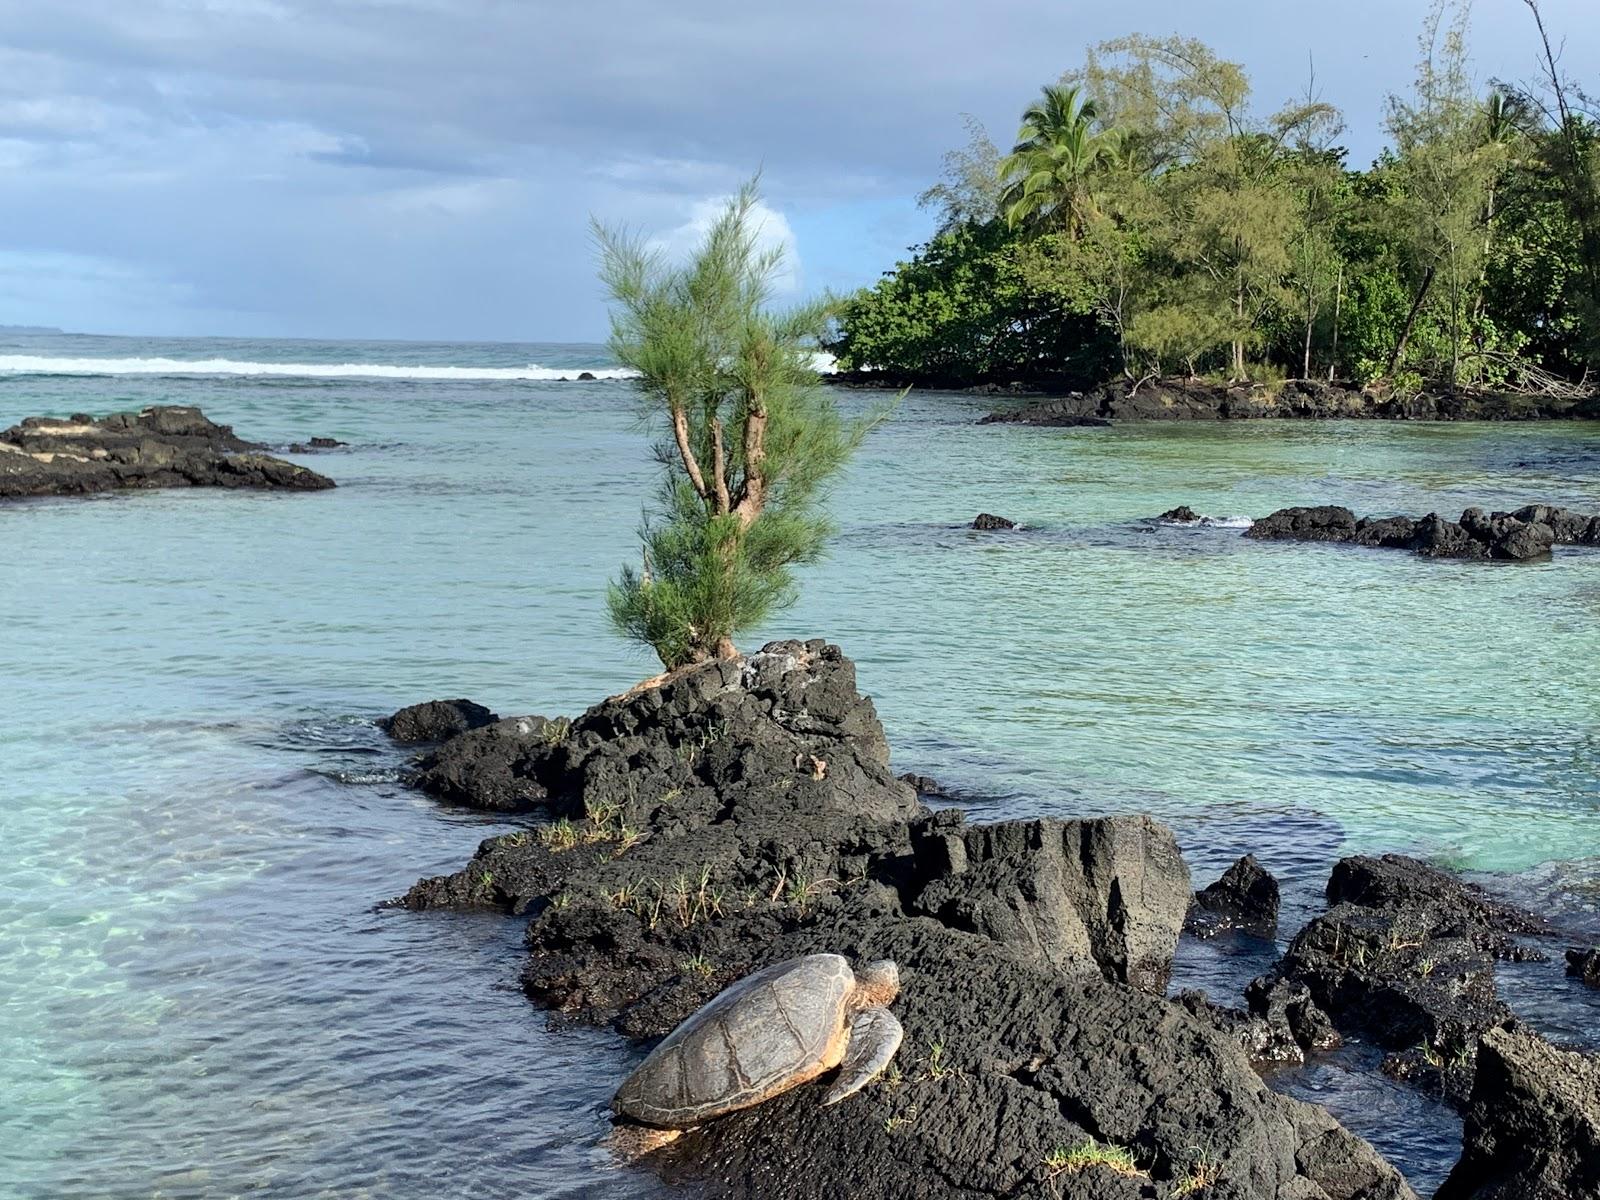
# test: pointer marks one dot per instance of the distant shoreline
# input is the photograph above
(1058, 405)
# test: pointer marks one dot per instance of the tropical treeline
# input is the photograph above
(1151, 220)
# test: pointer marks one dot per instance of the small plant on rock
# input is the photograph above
(559, 835)
(900, 1122)
(625, 896)
(1091, 1153)
(1203, 1172)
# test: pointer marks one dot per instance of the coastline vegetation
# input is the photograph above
(1152, 220)
(751, 438)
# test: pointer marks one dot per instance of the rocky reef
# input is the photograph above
(1528, 533)
(162, 446)
(1405, 956)
(1197, 400)
(740, 813)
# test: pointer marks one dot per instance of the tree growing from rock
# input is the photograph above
(750, 435)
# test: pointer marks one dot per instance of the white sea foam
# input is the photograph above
(33, 364)
(1205, 522)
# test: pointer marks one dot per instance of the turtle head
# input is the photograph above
(877, 984)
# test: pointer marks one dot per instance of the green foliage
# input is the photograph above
(1048, 174)
(751, 437)
(1089, 1154)
(1163, 226)
(962, 311)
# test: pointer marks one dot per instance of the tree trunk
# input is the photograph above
(753, 492)
(680, 434)
(1338, 311)
(1411, 321)
(1311, 320)
(1238, 342)
(1488, 247)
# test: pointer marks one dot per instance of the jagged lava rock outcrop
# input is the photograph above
(1405, 954)
(162, 446)
(743, 812)
(1532, 1123)
(1528, 533)
(1245, 897)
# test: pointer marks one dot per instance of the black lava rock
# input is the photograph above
(1246, 897)
(436, 720)
(163, 446)
(1585, 965)
(990, 521)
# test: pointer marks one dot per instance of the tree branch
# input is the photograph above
(753, 491)
(680, 434)
(719, 469)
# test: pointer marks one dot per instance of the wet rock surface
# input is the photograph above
(1196, 400)
(988, 521)
(436, 720)
(1520, 536)
(1532, 1123)
(1246, 897)
(162, 446)
(1405, 956)
(741, 813)
(1585, 965)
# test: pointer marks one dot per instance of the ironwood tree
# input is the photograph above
(750, 435)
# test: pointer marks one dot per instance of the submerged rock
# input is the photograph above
(1183, 513)
(162, 446)
(925, 785)
(1585, 965)
(742, 813)
(1246, 897)
(1522, 536)
(1532, 1124)
(436, 720)
(988, 521)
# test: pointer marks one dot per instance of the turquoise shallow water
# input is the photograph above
(200, 998)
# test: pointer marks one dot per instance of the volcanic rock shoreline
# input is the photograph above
(740, 813)
(1525, 535)
(158, 447)
(1196, 400)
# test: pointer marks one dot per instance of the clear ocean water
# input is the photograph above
(198, 993)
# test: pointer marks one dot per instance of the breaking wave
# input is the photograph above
(31, 364)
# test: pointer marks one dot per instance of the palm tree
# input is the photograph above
(1505, 121)
(1046, 175)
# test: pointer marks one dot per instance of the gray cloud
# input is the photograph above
(426, 167)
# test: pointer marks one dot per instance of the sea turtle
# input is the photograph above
(771, 1031)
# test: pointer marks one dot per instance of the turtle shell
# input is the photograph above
(773, 1030)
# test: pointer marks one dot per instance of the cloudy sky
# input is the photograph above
(426, 168)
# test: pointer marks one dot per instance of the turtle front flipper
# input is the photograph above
(875, 1035)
